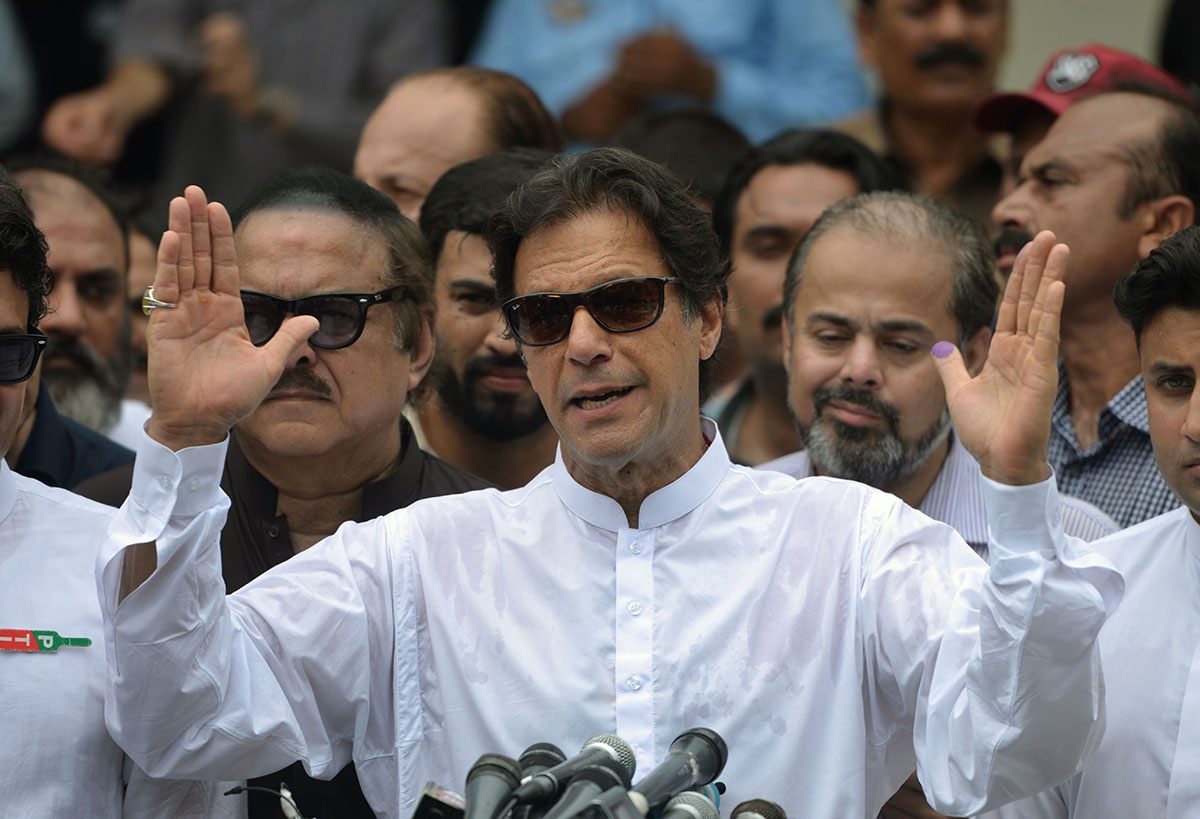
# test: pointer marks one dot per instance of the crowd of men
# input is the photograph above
(867, 437)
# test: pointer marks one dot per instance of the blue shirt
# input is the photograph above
(779, 63)
(61, 452)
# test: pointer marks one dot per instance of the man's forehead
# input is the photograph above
(314, 250)
(1100, 129)
(583, 250)
(902, 268)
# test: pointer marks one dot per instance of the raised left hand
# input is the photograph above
(1002, 416)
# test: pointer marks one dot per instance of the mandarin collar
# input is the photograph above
(1191, 531)
(8, 490)
(660, 507)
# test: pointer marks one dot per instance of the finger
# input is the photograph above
(1055, 262)
(166, 274)
(1006, 317)
(1045, 343)
(225, 278)
(290, 337)
(1035, 261)
(179, 221)
(953, 372)
(201, 236)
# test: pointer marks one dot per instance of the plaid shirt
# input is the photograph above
(1117, 473)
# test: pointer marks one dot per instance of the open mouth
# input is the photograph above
(591, 402)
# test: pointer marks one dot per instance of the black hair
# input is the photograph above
(23, 250)
(827, 148)
(572, 185)
(466, 196)
(695, 143)
(904, 217)
(328, 190)
(1168, 277)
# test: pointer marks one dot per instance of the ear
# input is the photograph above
(787, 345)
(1163, 219)
(420, 357)
(975, 354)
(864, 27)
(710, 320)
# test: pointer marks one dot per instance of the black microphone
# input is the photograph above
(587, 785)
(696, 757)
(690, 805)
(536, 758)
(490, 784)
(547, 784)
(757, 809)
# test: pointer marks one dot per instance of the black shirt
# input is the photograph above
(61, 452)
(255, 538)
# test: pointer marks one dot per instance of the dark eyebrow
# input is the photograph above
(905, 326)
(766, 232)
(1164, 368)
(472, 284)
(1051, 165)
(831, 318)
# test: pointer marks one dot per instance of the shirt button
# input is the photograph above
(634, 608)
(164, 481)
(273, 531)
(193, 484)
(633, 683)
(636, 547)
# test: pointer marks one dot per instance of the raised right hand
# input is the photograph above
(87, 126)
(204, 374)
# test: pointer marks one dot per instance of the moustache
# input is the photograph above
(863, 398)
(475, 367)
(301, 379)
(1011, 240)
(78, 353)
(773, 318)
(954, 52)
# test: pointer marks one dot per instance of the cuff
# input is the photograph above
(1023, 519)
(181, 483)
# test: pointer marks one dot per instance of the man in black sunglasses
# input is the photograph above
(640, 585)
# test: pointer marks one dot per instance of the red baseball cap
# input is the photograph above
(1072, 74)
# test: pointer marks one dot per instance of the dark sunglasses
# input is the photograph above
(619, 306)
(18, 356)
(342, 316)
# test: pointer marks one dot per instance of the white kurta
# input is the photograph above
(1148, 765)
(56, 758)
(831, 634)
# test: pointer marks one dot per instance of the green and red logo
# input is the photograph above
(23, 639)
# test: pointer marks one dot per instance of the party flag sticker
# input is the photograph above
(21, 639)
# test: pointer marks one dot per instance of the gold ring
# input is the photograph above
(149, 302)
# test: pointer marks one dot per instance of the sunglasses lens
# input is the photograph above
(341, 320)
(541, 319)
(628, 305)
(18, 355)
(263, 318)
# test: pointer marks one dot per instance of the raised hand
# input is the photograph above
(1002, 416)
(204, 374)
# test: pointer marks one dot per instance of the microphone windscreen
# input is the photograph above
(758, 809)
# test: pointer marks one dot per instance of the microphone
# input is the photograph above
(490, 784)
(690, 805)
(757, 809)
(587, 785)
(696, 757)
(438, 802)
(547, 784)
(533, 760)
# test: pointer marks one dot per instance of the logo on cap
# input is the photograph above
(1070, 71)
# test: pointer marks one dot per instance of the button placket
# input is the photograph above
(634, 631)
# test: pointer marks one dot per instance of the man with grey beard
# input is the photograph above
(876, 283)
(88, 355)
(878, 280)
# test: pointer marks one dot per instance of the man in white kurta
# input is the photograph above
(1148, 764)
(835, 637)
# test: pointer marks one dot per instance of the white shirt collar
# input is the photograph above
(671, 502)
(8, 490)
